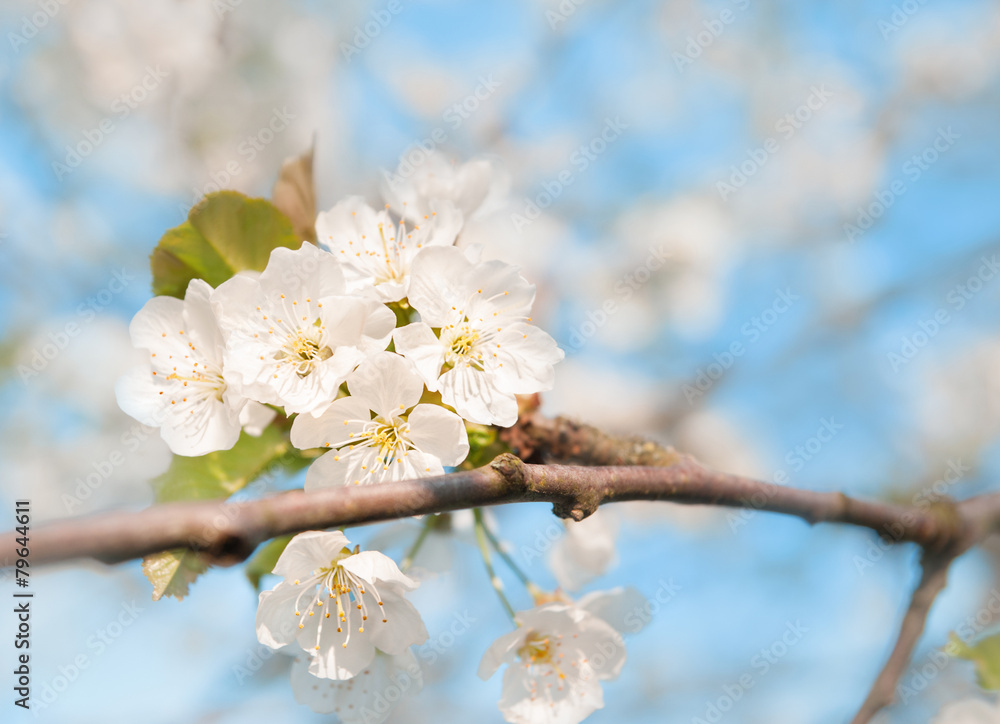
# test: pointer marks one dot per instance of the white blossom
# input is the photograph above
(368, 698)
(339, 605)
(476, 187)
(375, 251)
(182, 389)
(484, 351)
(556, 659)
(586, 551)
(969, 711)
(379, 432)
(295, 333)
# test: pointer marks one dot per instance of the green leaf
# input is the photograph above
(265, 558)
(171, 572)
(225, 232)
(484, 445)
(985, 654)
(220, 474)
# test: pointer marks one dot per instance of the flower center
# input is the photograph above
(347, 592)
(304, 350)
(536, 649)
(461, 347)
(390, 438)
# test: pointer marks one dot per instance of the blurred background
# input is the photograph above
(765, 232)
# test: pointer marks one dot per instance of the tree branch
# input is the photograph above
(883, 692)
(229, 532)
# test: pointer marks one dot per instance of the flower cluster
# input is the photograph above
(380, 339)
(380, 343)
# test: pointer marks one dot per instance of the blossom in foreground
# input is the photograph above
(338, 605)
(475, 187)
(969, 711)
(556, 659)
(375, 251)
(368, 698)
(379, 432)
(586, 551)
(182, 390)
(484, 352)
(294, 333)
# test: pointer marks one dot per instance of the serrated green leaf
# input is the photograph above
(985, 654)
(220, 474)
(264, 560)
(171, 572)
(225, 232)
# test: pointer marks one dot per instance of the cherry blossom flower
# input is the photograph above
(342, 605)
(182, 389)
(294, 333)
(556, 660)
(969, 711)
(369, 697)
(375, 251)
(379, 432)
(586, 551)
(476, 187)
(484, 352)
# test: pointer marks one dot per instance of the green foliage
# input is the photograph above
(220, 474)
(265, 558)
(484, 445)
(171, 572)
(213, 476)
(225, 232)
(985, 654)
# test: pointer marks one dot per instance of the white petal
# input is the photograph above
(387, 383)
(624, 609)
(527, 355)
(530, 700)
(308, 551)
(437, 283)
(439, 432)
(401, 629)
(419, 345)
(475, 397)
(502, 651)
(378, 569)
(254, 417)
(277, 625)
(342, 419)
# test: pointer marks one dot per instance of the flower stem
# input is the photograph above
(415, 547)
(533, 589)
(484, 549)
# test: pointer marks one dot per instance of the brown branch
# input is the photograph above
(229, 532)
(883, 692)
